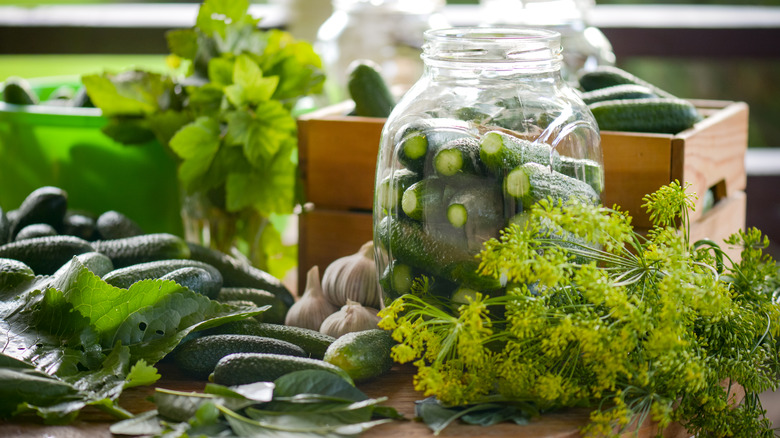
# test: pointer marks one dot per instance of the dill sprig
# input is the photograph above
(596, 314)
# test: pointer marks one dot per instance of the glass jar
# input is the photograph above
(488, 130)
(388, 32)
(584, 46)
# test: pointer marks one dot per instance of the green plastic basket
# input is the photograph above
(63, 146)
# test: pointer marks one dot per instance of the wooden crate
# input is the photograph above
(337, 161)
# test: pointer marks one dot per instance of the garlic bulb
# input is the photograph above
(312, 308)
(353, 277)
(352, 317)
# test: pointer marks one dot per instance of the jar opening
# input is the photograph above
(493, 45)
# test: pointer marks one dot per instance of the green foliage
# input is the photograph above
(72, 340)
(230, 120)
(309, 403)
(631, 326)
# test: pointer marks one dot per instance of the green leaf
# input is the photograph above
(143, 424)
(221, 71)
(141, 374)
(270, 192)
(182, 42)
(215, 15)
(249, 85)
(129, 130)
(131, 93)
(317, 382)
(196, 144)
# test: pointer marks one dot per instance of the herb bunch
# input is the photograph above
(595, 314)
(228, 122)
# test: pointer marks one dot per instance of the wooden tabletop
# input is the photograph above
(397, 385)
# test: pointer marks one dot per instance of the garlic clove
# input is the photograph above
(353, 277)
(352, 317)
(312, 308)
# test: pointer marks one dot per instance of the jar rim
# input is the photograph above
(504, 44)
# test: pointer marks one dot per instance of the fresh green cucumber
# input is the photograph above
(80, 225)
(659, 115)
(408, 242)
(479, 211)
(418, 141)
(45, 255)
(115, 225)
(128, 251)
(313, 342)
(423, 198)
(17, 91)
(397, 279)
(615, 92)
(198, 357)
(501, 152)
(97, 263)
(584, 169)
(392, 187)
(244, 368)
(458, 156)
(236, 273)
(196, 279)
(364, 355)
(532, 182)
(13, 272)
(126, 276)
(274, 315)
(369, 91)
(44, 205)
(35, 230)
(609, 76)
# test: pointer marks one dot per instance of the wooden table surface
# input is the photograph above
(397, 385)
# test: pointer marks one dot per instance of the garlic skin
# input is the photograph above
(312, 308)
(352, 317)
(354, 278)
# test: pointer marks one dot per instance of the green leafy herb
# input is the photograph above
(229, 122)
(633, 326)
(72, 340)
(304, 403)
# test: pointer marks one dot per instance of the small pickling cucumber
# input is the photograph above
(196, 279)
(614, 92)
(128, 275)
(274, 315)
(532, 182)
(501, 152)
(392, 187)
(409, 243)
(418, 142)
(479, 211)
(115, 225)
(35, 230)
(657, 115)
(608, 76)
(369, 90)
(423, 198)
(17, 91)
(45, 255)
(584, 169)
(145, 248)
(364, 355)
(243, 368)
(44, 205)
(313, 342)
(198, 357)
(458, 156)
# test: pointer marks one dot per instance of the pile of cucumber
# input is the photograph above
(457, 186)
(42, 235)
(18, 91)
(621, 101)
